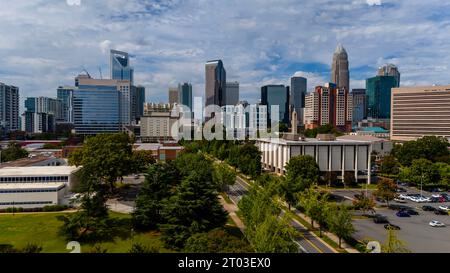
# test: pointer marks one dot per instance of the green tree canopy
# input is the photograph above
(216, 241)
(428, 147)
(339, 222)
(386, 189)
(13, 152)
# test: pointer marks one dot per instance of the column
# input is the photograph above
(369, 165)
(343, 162)
(356, 161)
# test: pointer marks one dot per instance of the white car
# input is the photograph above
(436, 195)
(446, 208)
(437, 224)
(400, 200)
(404, 196)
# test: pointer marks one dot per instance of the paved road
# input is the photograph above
(306, 240)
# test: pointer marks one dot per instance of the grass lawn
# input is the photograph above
(42, 228)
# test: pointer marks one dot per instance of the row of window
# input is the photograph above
(25, 203)
(34, 179)
(31, 190)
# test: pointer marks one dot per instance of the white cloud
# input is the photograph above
(374, 2)
(105, 46)
(73, 2)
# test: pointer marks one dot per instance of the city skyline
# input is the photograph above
(167, 54)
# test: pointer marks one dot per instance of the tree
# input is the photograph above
(389, 165)
(422, 171)
(160, 180)
(106, 156)
(13, 152)
(141, 160)
(265, 231)
(223, 177)
(301, 172)
(444, 173)
(349, 179)
(393, 244)
(429, 147)
(142, 249)
(339, 222)
(386, 189)
(216, 241)
(195, 207)
(364, 203)
(303, 167)
(249, 161)
(314, 204)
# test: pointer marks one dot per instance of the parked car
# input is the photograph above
(436, 224)
(380, 219)
(412, 212)
(399, 207)
(440, 212)
(402, 213)
(428, 208)
(400, 200)
(391, 226)
(445, 208)
(400, 189)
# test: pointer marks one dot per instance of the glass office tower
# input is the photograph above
(96, 109)
(120, 66)
(65, 95)
(378, 96)
(185, 94)
(276, 95)
(298, 93)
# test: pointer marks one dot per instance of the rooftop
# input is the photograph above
(49, 185)
(37, 171)
(361, 138)
(314, 141)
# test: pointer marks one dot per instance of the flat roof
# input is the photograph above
(314, 141)
(37, 171)
(12, 186)
(361, 137)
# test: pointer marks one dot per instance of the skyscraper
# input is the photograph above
(276, 95)
(185, 94)
(97, 106)
(390, 70)
(359, 105)
(378, 96)
(120, 66)
(173, 95)
(9, 107)
(65, 94)
(138, 101)
(41, 114)
(298, 93)
(232, 93)
(328, 105)
(339, 68)
(215, 84)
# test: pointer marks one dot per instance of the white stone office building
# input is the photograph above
(338, 156)
(35, 187)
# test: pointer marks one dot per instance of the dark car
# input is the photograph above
(380, 219)
(411, 212)
(399, 207)
(428, 208)
(391, 226)
(440, 212)
(402, 213)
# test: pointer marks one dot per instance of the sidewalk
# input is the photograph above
(231, 209)
(116, 206)
(332, 237)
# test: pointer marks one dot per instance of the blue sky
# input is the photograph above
(46, 43)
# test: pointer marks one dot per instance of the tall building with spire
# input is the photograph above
(339, 68)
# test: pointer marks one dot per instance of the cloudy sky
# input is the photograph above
(46, 43)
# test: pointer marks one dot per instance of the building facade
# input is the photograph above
(174, 95)
(338, 156)
(232, 93)
(42, 114)
(35, 187)
(420, 111)
(328, 105)
(390, 70)
(359, 105)
(185, 94)
(298, 93)
(137, 102)
(120, 66)
(378, 96)
(65, 95)
(215, 85)
(340, 74)
(96, 107)
(157, 122)
(9, 108)
(276, 95)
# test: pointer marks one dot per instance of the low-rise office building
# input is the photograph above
(332, 155)
(35, 187)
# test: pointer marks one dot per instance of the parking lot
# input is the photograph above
(415, 231)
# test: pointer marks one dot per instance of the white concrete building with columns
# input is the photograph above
(338, 156)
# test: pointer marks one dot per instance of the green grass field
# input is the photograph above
(42, 228)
